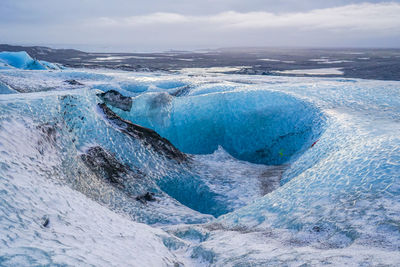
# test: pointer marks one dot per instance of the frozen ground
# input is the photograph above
(291, 171)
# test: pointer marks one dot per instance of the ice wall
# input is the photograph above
(257, 126)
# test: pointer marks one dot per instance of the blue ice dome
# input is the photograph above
(21, 60)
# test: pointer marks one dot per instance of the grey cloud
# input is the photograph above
(133, 25)
(356, 17)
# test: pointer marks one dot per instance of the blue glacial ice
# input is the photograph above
(5, 89)
(252, 125)
(22, 60)
(279, 170)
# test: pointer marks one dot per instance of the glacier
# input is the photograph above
(201, 169)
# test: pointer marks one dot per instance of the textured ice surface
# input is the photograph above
(338, 202)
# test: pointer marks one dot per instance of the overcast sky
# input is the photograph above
(130, 25)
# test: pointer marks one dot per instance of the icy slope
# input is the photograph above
(79, 230)
(62, 153)
(72, 123)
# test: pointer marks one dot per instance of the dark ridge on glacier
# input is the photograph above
(146, 135)
(73, 82)
(107, 167)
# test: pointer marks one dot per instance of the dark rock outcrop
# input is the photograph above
(49, 132)
(148, 136)
(73, 82)
(182, 91)
(116, 99)
(146, 197)
(45, 221)
(48, 137)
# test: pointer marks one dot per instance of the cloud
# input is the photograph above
(156, 18)
(360, 17)
(357, 25)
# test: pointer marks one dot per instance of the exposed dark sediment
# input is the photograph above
(73, 82)
(182, 91)
(148, 136)
(106, 166)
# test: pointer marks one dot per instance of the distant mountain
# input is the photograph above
(46, 53)
(41, 52)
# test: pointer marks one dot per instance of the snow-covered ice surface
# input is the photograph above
(196, 71)
(276, 60)
(118, 58)
(285, 171)
(325, 60)
(321, 71)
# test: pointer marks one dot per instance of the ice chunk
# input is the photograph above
(22, 60)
